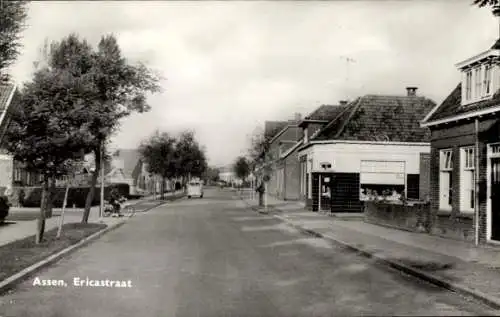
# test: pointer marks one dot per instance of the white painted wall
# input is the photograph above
(347, 157)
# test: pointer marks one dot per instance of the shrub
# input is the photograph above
(76, 195)
(4, 208)
(21, 196)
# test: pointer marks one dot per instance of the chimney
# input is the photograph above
(496, 13)
(411, 91)
(343, 102)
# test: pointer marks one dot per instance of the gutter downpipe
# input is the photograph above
(476, 191)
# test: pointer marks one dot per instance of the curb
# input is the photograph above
(11, 281)
(430, 278)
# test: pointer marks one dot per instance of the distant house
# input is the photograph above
(373, 146)
(227, 175)
(8, 174)
(470, 113)
(283, 182)
(127, 167)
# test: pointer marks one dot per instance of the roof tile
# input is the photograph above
(381, 118)
(452, 105)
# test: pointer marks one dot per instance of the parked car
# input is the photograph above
(195, 189)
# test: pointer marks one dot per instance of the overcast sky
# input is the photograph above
(232, 65)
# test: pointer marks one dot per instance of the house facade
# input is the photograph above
(465, 155)
(128, 168)
(373, 148)
(310, 126)
(284, 168)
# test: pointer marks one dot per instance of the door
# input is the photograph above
(495, 198)
(326, 192)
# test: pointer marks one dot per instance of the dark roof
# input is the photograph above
(273, 127)
(381, 118)
(496, 46)
(452, 105)
(324, 112)
(5, 92)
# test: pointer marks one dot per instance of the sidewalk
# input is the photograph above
(456, 265)
(22, 229)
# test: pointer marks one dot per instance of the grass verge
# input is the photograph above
(20, 254)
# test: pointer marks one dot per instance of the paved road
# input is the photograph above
(213, 257)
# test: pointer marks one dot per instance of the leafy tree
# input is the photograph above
(120, 90)
(483, 3)
(260, 155)
(241, 168)
(13, 14)
(46, 130)
(211, 174)
(189, 156)
(158, 153)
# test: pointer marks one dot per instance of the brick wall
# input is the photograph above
(412, 186)
(415, 217)
(345, 193)
(425, 175)
(292, 177)
(456, 224)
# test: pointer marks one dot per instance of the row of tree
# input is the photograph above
(172, 157)
(73, 104)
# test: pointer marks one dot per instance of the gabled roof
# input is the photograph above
(273, 127)
(452, 107)
(7, 92)
(292, 149)
(380, 118)
(324, 113)
(130, 159)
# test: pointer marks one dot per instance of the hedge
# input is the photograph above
(76, 195)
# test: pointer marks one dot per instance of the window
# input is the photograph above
(467, 179)
(446, 179)
(468, 85)
(487, 80)
(478, 83)
(382, 180)
(17, 175)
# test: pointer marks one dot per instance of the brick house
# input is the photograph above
(465, 153)
(286, 174)
(12, 172)
(271, 129)
(372, 147)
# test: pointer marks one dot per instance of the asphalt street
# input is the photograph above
(215, 257)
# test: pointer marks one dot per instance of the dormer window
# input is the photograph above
(487, 79)
(478, 92)
(468, 85)
(479, 76)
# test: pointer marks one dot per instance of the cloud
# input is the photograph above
(231, 65)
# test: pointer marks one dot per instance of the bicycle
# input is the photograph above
(130, 210)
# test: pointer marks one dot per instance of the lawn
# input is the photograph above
(20, 254)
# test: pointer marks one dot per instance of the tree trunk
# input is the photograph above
(90, 195)
(51, 197)
(43, 206)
